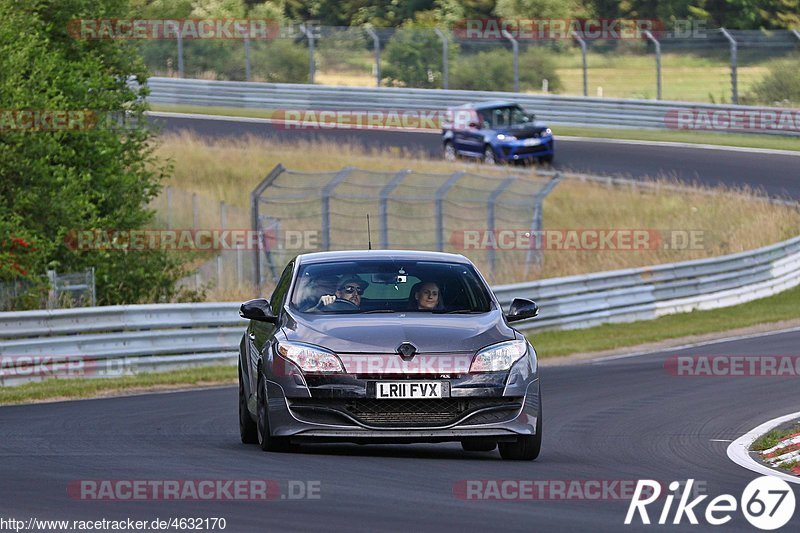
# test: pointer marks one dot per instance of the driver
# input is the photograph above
(350, 288)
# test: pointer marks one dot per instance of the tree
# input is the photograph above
(101, 173)
(414, 56)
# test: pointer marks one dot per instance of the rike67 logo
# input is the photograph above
(767, 503)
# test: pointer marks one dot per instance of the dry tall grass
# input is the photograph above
(730, 220)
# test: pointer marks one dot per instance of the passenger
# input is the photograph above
(427, 297)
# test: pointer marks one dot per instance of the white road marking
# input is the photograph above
(738, 451)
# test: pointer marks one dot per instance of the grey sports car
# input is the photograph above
(388, 346)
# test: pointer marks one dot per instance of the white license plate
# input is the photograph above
(406, 390)
(532, 142)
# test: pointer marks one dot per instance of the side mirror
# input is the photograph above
(258, 309)
(522, 308)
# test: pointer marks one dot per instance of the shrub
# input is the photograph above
(494, 71)
(280, 61)
(780, 86)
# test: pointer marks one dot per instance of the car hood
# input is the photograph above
(521, 130)
(383, 333)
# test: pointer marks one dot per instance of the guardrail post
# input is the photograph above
(222, 217)
(247, 73)
(254, 220)
(326, 205)
(658, 62)
(376, 43)
(734, 61)
(490, 204)
(537, 224)
(515, 47)
(583, 57)
(311, 64)
(194, 210)
(796, 34)
(384, 210)
(445, 66)
(440, 194)
(92, 284)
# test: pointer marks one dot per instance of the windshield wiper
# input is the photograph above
(378, 311)
(458, 311)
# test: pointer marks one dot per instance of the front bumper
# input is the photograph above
(518, 150)
(497, 406)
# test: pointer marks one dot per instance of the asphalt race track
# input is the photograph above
(623, 419)
(777, 174)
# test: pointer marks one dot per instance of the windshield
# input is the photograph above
(504, 117)
(384, 286)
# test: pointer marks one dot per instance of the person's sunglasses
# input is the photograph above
(350, 289)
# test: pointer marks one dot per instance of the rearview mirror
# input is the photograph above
(522, 308)
(258, 309)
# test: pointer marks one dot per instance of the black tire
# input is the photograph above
(449, 151)
(526, 448)
(247, 428)
(488, 156)
(546, 159)
(265, 439)
(478, 445)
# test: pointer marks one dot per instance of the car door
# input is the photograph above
(473, 139)
(260, 333)
(465, 133)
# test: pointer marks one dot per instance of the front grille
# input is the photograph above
(410, 413)
(528, 134)
(532, 149)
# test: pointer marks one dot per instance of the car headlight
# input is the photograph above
(498, 357)
(547, 131)
(309, 358)
(504, 137)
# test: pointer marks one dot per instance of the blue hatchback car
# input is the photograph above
(496, 131)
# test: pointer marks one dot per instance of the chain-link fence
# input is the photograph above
(701, 65)
(299, 212)
(59, 290)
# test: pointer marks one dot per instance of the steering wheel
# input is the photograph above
(340, 304)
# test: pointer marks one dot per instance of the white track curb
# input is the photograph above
(738, 451)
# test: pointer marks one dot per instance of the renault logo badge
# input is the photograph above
(407, 351)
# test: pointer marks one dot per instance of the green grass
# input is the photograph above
(772, 438)
(783, 306)
(56, 389)
(719, 139)
(770, 142)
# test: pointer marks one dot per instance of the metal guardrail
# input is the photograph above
(564, 110)
(125, 339)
